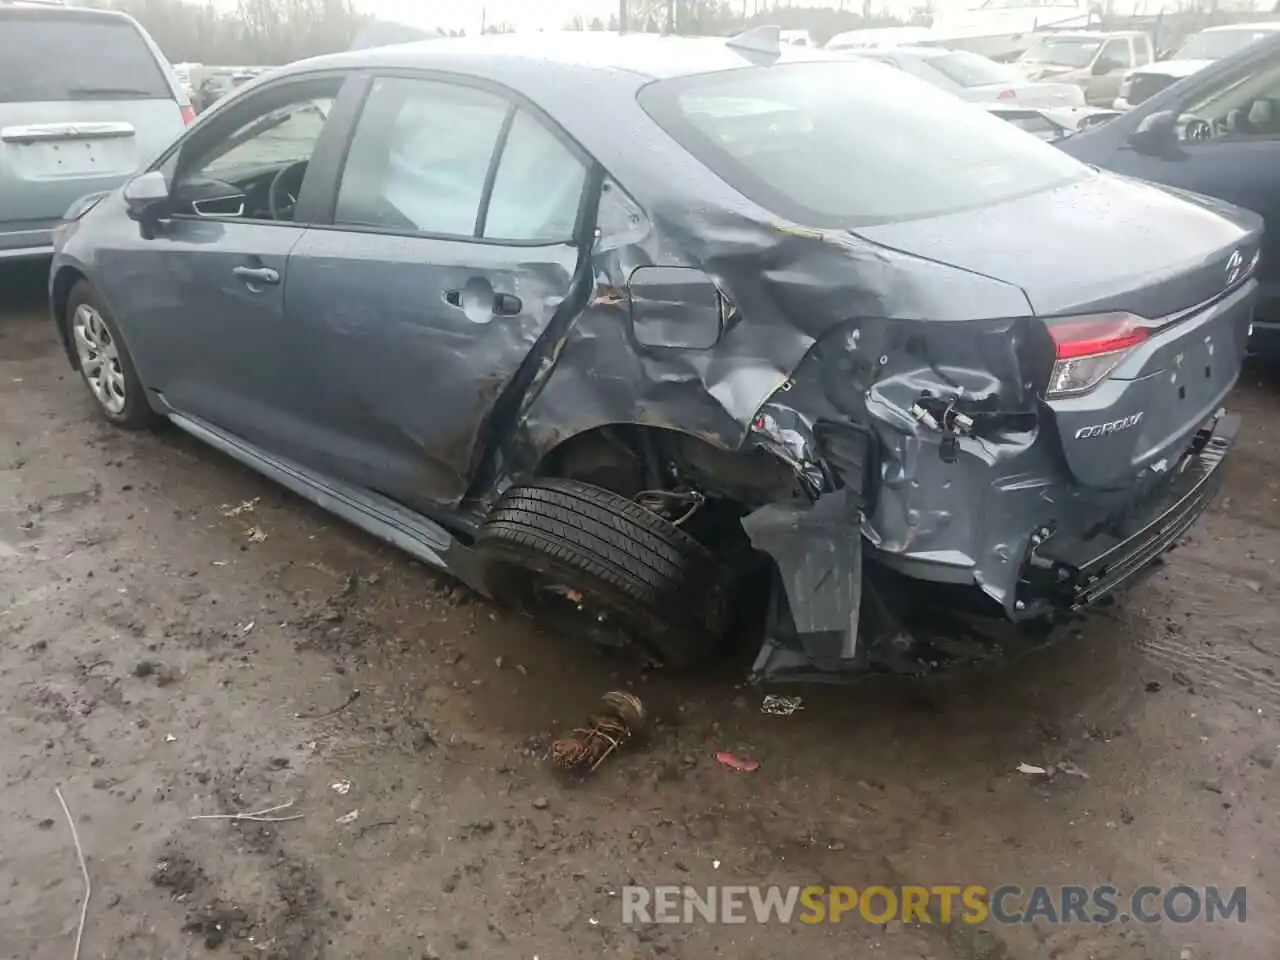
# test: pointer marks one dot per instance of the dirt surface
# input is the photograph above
(179, 637)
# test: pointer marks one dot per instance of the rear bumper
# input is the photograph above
(1068, 573)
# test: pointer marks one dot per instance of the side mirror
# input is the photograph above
(146, 196)
(676, 307)
(1156, 134)
(1103, 66)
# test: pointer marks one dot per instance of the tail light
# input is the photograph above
(1007, 95)
(1087, 349)
(188, 114)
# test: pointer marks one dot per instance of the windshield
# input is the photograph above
(969, 69)
(851, 144)
(65, 57)
(1063, 51)
(1216, 44)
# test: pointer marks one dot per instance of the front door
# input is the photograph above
(451, 249)
(208, 283)
(1114, 60)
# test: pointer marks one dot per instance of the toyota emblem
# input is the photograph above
(1235, 267)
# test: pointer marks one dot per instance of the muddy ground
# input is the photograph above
(164, 654)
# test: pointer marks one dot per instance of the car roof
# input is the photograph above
(1226, 27)
(500, 56)
(1092, 34)
(52, 11)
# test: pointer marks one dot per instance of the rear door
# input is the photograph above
(450, 250)
(84, 102)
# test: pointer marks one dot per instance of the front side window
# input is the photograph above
(421, 162)
(851, 144)
(250, 161)
(1116, 54)
(1244, 106)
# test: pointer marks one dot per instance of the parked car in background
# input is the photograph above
(1050, 123)
(1194, 53)
(876, 38)
(798, 38)
(86, 97)
(890, 373)
(1095, 61)
(973, 77)
(1216, 133)
(218, 83)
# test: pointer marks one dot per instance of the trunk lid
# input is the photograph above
(1107, 244)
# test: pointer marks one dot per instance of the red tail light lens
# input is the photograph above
(1087, 349)
(188, 114)
(1007, 95)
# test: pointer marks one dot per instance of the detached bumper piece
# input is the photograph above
(1068, 573)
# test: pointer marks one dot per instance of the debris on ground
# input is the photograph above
(348, 817)
(619, 717)
(258, 816)
(779, 706)
(245, 507)
(735, 762)
(1032, 769)
(342, 787)
(255, 535)
(1070, 769)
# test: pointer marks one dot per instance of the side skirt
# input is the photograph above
(375, 514)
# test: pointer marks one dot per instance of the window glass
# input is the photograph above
(420, 156)
(539, 184)
(970, 70)
(1117, 51)
(1245, 106)
(63, 55)
(850, 144)
(285, 135)
(1062, 51)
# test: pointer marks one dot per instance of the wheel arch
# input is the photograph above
(64, 280)
(627, 457)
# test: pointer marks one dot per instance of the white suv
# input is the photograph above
(86, 98)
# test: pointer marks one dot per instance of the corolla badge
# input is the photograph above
(1113, 426)
(1235, 267)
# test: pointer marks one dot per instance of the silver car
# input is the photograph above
(86, 98)
(975, 78)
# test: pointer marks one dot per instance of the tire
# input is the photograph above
(663, 588)
(95, 338)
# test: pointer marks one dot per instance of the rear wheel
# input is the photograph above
(590, 562)
(104, 361)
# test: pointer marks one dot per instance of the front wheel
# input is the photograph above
(594, 563)
(104, 361)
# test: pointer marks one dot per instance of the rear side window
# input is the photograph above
(422, 160)
(65, 56)
(851, 144)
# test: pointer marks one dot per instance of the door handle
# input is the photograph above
(506, 304)
(253, 275)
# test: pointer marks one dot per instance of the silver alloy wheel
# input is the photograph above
(99, 358)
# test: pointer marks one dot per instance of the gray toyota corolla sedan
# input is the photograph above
(608, 326)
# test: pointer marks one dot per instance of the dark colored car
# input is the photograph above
(1216, 133)
(603, 325)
